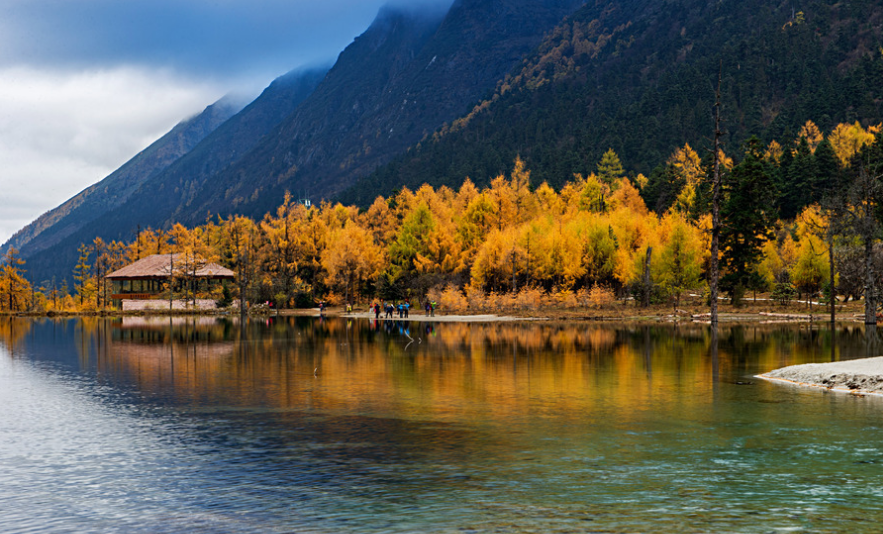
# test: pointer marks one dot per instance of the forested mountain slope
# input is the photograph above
(132, 190)
(400, 81)
(407, 75)
(638, 76)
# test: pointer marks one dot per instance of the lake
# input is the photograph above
(332, 425)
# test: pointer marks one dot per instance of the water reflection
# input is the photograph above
(352, 425)
(445, 370)
(441, 368)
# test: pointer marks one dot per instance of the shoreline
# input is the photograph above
(857, 377)
(653, 315)
(450, 318)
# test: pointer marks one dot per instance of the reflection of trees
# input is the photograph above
(12, 331)
(454, 371)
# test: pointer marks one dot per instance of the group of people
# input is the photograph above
(402, 309)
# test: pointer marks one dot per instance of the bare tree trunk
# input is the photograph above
(241, 289)
(714, 274)
(171, 280)
(646, 296)
(870, 285)
(833, 292)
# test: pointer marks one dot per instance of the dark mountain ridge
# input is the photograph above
(635, 75)
(371, 108)
(639, 77)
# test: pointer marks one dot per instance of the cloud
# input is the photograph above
(60, 132)
(203, 37)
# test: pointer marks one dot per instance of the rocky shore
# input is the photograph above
(856, 376)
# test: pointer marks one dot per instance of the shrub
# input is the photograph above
(784, 293)
(452, 299)
(529, 298)
(600, 296)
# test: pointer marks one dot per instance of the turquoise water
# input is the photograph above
(306, 425)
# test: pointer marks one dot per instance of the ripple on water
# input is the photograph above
(454, 437)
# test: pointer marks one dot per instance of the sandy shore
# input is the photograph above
(854, 376)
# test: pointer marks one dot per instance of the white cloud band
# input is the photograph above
(61, 132)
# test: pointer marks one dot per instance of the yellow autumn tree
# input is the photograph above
(848, 139)
(15, 290)
(687, 166)
(680, 262)
(628, 197)
(812, 134)
(811, 269)
(773, 152)
(350, 259)
(380, 220)
(147, 243)
(192, 253)
(497, 261)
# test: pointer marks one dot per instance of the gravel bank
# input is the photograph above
(863, 376)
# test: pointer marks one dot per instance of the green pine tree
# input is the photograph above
(610, 168)
(747, 215)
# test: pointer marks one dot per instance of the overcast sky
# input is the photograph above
(86, 84)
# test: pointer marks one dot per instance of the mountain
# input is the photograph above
(408, 74)
(435, 97)
(639, 76)
(171, 192)
(57, 224)
(193, 150)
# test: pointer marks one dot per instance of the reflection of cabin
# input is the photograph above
(140, 285)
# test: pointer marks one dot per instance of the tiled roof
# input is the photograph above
(157, 266)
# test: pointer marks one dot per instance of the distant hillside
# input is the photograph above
(638, 76)
(59, 223)
(172, 192)
(401, 80)
(131, 189)
(407, 75)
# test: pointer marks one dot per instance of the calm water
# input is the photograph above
(301, 425)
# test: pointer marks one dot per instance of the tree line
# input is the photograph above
(793, 214)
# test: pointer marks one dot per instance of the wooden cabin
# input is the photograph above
(140, 285)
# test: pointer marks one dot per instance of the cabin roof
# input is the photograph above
(157, 266)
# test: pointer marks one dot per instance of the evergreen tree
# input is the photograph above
(662, 188)
(827, 169)
(747, 215)
(610, 168)
(799, 190)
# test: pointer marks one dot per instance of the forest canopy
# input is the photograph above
(596, 236)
